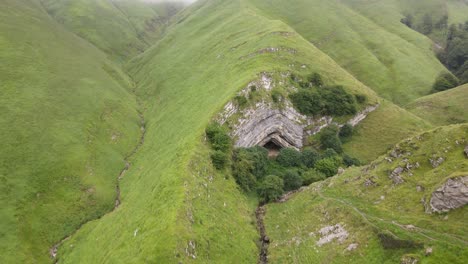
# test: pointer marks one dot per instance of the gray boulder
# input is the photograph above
(451, 195)
(395, 176)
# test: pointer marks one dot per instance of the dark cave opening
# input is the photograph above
(273, 149)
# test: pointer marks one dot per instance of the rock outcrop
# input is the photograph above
(451, 195)
(466, 151)
(280, 124)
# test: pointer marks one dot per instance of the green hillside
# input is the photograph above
(105, 106)
(121, 28)
(68, 119)
(196, 64)
(385, 222)
(374, 46)
(385, 127)
(444, 108)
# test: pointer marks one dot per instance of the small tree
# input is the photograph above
(311, 176)
(328, 166)
(289, 157)
(241, 101)
(346, 131)
(315, 79)
(271, 188)
(292, 180)
(310, 157)
(219, 159)
(444, 82)
(350, 161)
(329, 139)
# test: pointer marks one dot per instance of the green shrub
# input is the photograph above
(329, 139)
(310, 157)
(444, 82)
(332, 100)
(271, 188)
(361, 98)
(328, 166)
(241, 101)
(219, 159)
(289, 157)
(346, 131)
(218, 137)
(338, 102)
(276, 95)
(311, 176)
(292, 180)
(307, 102)
(248, 166)
(329, 153)
(350, 161)
(315, 79)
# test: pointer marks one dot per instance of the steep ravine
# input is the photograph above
(53, 251)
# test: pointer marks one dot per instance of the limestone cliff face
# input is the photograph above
(280, 123)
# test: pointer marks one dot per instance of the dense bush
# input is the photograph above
(329, 139)
(444, 82)
(310, 157)
(289, 157)
(455, 54)
(311, 176)
(241, 101)
(328, 166)
(360, 98)
(308, 102)
(315, 79)
(218, 137)
(338, 102)
(329, 153)
(219, 159)
(292, 180)
(271, 188)
(221, 144)
(248, 166)
(350, 161)
(332, 100)
(346, 131)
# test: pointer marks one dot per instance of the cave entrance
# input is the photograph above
(273, 149)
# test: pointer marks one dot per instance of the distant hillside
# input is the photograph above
(67, 120)
(372, 44)
(121, 28)
(444, 108)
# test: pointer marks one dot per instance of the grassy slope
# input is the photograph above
(374, 46)
(381, 130)
(457, 10)
(448, 107)
(121, 29)
(67, 121)
(367, 211)
(169, 201)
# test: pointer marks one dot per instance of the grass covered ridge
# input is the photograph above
(68, 120)
(444, 108)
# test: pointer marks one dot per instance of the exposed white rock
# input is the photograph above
(330, 233)
(451, 195)
(362, 115)
(352, 246)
